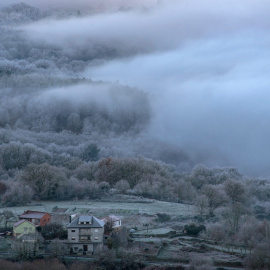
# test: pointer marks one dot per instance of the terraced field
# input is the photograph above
(150, 208)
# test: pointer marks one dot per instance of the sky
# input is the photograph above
(204, 65)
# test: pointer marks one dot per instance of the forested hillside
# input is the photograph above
(95, 103)
(61, 130)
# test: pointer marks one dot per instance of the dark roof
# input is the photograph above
(94, 222)
(21, 221)
(85, 219)
(32, 214)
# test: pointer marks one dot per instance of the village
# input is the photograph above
(84, 234)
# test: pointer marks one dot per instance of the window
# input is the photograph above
(96, 238)
(73, 230)
(96, 230)
(72, 238)
(25, 229)
(30, 229)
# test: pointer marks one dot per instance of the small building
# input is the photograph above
(23, 227)
(85, 235)
(112, 224)
(37, 218)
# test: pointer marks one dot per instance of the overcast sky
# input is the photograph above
(205, 65)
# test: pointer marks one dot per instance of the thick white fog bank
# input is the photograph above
(163, 28)
(210, 98)
(204, 65)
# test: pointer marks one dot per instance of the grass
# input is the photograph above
(155, 232)
(115, 207)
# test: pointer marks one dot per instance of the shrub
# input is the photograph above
(193, 229)
(161, 217)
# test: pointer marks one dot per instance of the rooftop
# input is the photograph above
(22, 221)
(93, 222)
(32, 214)
(85, 219)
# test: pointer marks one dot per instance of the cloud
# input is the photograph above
(210, 94)
(163, 28)
(203, 64)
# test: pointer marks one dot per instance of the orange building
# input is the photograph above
(37, 218)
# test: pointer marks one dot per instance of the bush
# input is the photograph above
(162, 217)
(198, 262)
(53, 230)
(193, 229)
(259, 258)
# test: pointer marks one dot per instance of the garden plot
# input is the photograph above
(160, 232)
(173, 253)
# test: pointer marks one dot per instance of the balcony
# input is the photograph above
(85, 239)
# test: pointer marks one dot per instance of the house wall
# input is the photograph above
(46, 219)
(82, 234)
(79, 248)
(24, 228)
(78, 238)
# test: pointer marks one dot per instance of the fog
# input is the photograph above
(203, 66)
(88, 5)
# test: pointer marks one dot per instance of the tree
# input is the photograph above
(233, 215)
(23, 250)
(54, 230)
(46, 180)
(17, 194)
(201, 205)
(58, 247)
(235, 191)
(120, 238)
(123, 186)
(74, 123)
(199, 262)
(3, 188)
(90, 153)
(259, 258)
(216, 231)
(215, 196)
(7, 216)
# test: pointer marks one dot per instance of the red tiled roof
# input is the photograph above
(32, 214)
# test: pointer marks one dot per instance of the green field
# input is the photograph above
(114, 207)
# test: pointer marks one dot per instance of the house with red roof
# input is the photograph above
(36, 217)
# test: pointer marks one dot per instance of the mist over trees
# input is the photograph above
(53, 119)
(97, 105)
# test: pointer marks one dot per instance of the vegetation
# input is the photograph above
(65, 137)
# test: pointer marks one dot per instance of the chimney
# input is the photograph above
(72, 217)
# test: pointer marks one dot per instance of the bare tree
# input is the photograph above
(58, 247)
(215, 196)
(235, 191)
(7, 216)
(201, 205)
